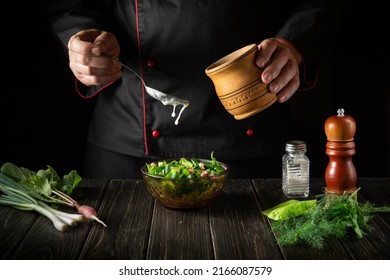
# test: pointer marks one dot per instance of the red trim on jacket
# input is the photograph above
(78, 90)
(141, 74)
(142, 88)
(310, 84)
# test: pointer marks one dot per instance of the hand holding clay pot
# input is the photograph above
(238, 84)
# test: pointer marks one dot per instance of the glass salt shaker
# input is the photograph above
(296, 170)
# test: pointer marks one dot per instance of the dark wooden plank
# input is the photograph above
(376, 243)
(43, 241)
(373, 246)
(238, 229)
(127, 210)
(14, 225)
(270, 194)
(377, 191)
(232, 227)
(179, 234)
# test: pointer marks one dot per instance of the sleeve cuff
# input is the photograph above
(88, 91)
(308, 77)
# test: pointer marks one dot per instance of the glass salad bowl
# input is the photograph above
(184, 184)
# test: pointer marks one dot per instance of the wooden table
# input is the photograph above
(139, 228)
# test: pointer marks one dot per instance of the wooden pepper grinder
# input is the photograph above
(340, 174)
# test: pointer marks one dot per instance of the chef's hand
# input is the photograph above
(280, 61)
(86, 60)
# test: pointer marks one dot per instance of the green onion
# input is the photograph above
(16, 196)
(34, 190)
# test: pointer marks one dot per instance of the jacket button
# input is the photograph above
(151, 63)
(249, 132)
(156, 133)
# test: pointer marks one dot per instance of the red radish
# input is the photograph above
(89, 213)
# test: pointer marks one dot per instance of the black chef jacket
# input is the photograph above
(170, 43)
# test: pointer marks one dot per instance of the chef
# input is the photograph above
(169, 44)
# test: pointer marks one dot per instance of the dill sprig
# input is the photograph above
(334, 216)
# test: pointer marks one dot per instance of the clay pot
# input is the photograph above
(237, 82)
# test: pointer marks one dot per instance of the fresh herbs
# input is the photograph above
(27, 190)
(185, 168)
(333, 216)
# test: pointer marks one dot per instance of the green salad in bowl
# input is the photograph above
(185, 183)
